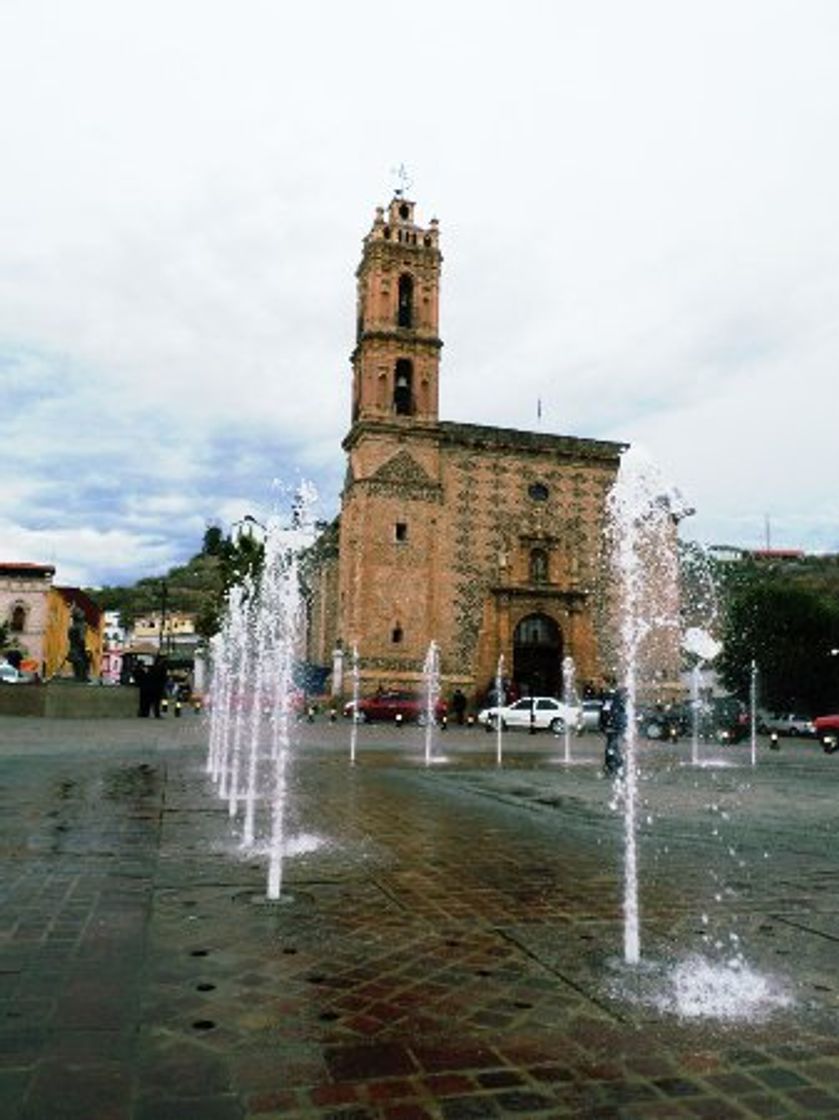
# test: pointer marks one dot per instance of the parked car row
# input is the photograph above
(785, 723)
(540, 713)
(395, 707)
(725, 720)
(536, 713)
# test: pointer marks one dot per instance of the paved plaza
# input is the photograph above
(449, 942)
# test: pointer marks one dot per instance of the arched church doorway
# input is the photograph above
(537, 656)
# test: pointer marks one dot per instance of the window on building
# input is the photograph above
(396, 634)
(538, 566)
(405, 313)
(401, 530)
(403, 397)
(18, 621)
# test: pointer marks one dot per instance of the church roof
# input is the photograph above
(477, 435)
(484, 436)
(24, 568)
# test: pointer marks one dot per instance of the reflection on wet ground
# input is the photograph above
(448, 944)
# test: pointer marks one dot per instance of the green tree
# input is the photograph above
(788, 632)
(239, 560)
(213, 541)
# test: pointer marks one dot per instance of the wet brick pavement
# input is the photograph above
(448, 944)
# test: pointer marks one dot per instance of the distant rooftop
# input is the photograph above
(23, 568)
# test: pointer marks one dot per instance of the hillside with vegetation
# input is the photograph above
(197, 587)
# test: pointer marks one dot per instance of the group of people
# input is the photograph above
(152, 682)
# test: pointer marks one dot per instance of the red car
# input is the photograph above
(387, 706)
(827, 731)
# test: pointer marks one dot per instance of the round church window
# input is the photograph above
(538, 491)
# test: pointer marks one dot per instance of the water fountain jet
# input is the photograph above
(499, 700)
(569, 696)
(356, 696)
(431, 689)
(252, 692)
(642, 540)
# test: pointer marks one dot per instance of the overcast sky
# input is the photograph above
(638, 214)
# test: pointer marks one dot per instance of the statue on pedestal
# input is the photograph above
(77, 653)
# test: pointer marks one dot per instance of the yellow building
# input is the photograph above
(66, 607)
(172, 634)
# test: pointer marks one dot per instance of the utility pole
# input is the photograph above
(163, 593)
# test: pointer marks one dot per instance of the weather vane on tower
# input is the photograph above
(403, 180)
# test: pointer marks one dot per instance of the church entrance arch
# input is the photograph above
(537, 656)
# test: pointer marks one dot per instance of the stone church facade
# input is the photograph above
(486, 540)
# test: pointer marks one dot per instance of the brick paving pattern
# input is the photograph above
(448, 944)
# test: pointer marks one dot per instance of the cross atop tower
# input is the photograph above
(403, 180)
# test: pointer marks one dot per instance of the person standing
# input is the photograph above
(158, 677)
(141, 679)
(458, 705)
(613, 725)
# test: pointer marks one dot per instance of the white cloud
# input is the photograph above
(637, 208)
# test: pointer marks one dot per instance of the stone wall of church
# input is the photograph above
(320, 573)
(439, 527)
(495, 526)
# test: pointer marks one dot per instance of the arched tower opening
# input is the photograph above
(403, 388)
(405, 309)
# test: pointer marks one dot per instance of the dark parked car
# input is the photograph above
(664, 721)
(387, 706)
(727, 720)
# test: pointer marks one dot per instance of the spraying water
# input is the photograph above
(499, 700)
(703, 648)
(431, 680)
(283, 608)
(252, 691)
(356, 690)
(753, 712)
(569, 695)
(642, 542)
(695, 674)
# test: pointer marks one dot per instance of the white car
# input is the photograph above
(9, 674)
(542, 713)
(788, 723)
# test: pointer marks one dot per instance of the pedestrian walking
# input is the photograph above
(459, 705)
(613, 725)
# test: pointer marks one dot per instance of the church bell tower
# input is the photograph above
(397, 354)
